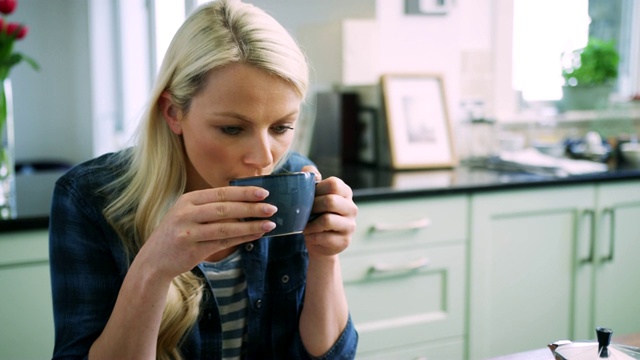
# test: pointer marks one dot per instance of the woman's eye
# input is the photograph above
(231, 130)
(281, 129)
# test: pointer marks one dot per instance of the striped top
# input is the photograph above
(229, 285)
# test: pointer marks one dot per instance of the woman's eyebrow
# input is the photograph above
(245, 118)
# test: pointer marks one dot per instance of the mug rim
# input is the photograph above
(274, 176)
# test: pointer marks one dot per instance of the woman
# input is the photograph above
(149, 258)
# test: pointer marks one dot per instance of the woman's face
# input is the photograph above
(239, 125)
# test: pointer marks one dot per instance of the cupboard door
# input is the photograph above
(26, 319)
(24, 247)
(522, 248)
(27, 316)
(401, 298)
(617, 289)
(438, 350)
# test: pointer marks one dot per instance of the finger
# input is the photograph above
(329, 222)
(217, 211)
(227, 193)
(336, 204)
(212, 246)
(232, 229)
(313, 169)
(334, 185)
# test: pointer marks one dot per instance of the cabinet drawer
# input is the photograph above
(406, 297)
(396, 223)
(24, 247)
(439, 350)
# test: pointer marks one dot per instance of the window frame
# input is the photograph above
(506, 104)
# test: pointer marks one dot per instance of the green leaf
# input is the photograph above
(31, 62)
(596, 64)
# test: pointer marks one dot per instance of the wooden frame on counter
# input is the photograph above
(418, 124)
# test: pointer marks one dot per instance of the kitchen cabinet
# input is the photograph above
(443, 350)
(541, 267)
(616, 288)
(26, 330)
(484, 264)
(404, 276)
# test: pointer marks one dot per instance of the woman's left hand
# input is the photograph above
(330, 233)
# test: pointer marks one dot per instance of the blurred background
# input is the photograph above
(500, 59)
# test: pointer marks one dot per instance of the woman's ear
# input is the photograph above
(170, 113)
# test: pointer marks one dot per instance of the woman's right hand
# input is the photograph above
(204, 222)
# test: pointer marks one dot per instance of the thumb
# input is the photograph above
(313, 169)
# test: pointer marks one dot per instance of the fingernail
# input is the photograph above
(268, 226)
(261, 193)
(269, 209)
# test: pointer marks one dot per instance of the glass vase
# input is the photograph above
(7, 164)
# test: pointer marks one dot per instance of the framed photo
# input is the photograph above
(418, 124)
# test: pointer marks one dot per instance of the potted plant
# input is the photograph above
(590, 74)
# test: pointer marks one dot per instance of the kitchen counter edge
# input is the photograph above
(458, 181)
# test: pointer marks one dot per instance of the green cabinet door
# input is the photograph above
(523, 246)
(617, 264)
(26, 318)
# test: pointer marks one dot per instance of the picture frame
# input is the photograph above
(418, 125)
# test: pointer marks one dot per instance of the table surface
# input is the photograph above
(545, 353)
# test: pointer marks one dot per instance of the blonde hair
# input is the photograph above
(214, 35)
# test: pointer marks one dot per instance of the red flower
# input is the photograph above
(8, 6)
(17, 30)
(10, 32)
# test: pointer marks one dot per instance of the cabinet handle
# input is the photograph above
(592, 238)
(609, 257)
(411, 225)
(411, 266)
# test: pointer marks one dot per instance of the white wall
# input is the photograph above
(67, 110)
(71, 109)
(316, 25)
(60, 109)
(456, 45)
(294, 15)
(52, 106)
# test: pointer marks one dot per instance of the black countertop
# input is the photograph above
(33, 201)
(372, 183)
(34, 191)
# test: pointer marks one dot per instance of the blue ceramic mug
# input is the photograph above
(291, 193)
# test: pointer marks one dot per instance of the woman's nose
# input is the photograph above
(260, 154)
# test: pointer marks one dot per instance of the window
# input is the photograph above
(167, 17)
(542, 31)
(530, 36)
